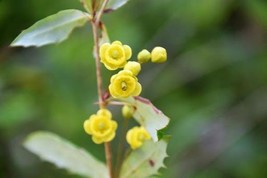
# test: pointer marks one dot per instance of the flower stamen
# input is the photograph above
(124, 86)
(115, 54)
(101, 126)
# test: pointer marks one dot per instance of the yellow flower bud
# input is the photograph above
(124, 84)
(133, 66)
(136, 137)
(158, 55)
(127, 111)
(143, 56)
(101, 126)
(114, 55)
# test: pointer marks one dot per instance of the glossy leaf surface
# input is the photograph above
(64, 154)
(52, 29)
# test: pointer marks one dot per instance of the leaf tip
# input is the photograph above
(166, 138)
(14, 44)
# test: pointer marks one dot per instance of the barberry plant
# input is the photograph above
(148, 147)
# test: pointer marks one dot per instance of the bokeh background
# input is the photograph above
(213, 87)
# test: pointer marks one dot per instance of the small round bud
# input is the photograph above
(158, 55)
(133, 66)
(127, 111)
(143, 56)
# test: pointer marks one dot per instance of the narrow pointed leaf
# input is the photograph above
(115, 4)
(52, 29)
(88, 2)
(148, 115)
(64, 154)
(104, 38)
(87, 5)
(146, 160)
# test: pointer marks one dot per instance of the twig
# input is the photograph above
(95, 28)
(108, 158)
(120, 147)
(98, 65)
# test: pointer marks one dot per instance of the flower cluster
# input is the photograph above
(123, 84)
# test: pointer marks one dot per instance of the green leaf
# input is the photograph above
(87, 4)
(148, 115)
(92, 5)
(64, 154)
(104, 38)
(145, 161)
(52, 29)
(115, 4)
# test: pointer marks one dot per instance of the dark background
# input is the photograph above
(213, 87)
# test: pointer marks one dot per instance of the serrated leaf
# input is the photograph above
(64, 154)
(148, 115)
(52, 29)
(115, 4)
(146, 160)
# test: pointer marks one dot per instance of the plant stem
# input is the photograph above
(95, 28)
(98, 65)
(99, 89)
(108, 158)
(99, 14)
(120, 147)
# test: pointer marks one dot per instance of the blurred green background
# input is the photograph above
(213, 87)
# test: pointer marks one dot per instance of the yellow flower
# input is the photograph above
(143, 56)
(158, 55)
(136, 137)
(114, 55)
(124, 84)
(133, 66)
(127, 111)
(101, 126)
